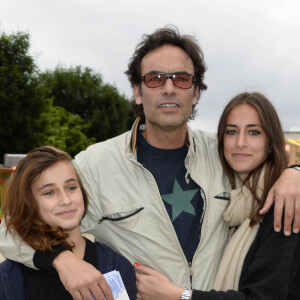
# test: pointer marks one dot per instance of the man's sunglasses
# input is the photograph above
(157, 79)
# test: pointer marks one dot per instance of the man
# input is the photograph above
(157, 193)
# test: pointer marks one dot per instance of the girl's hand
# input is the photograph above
(154, 285)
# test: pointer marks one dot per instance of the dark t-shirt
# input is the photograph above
(43, 285)
(182, 199)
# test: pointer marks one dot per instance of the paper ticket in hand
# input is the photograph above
(116, 285)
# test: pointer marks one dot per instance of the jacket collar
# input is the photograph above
(139, 122)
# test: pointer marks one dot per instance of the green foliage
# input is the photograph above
(64, 130)
(67, 108)
(21, 96)
(82, 93)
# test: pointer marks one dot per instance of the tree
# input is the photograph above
(83, 93)
(64, 130)
(66, 108)
(22, 98)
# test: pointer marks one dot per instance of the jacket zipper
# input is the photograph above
(191, 275)
(170, 223)
(190, 264)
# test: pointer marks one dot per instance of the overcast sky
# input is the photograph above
(249, 45)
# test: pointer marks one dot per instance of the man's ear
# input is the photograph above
(196, 96)
(137, 91)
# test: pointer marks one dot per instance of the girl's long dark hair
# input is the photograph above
(277, 159)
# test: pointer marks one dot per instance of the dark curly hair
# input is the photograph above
(168, 35)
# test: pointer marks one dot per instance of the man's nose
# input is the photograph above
(169, 87)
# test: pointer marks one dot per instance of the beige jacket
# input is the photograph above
(127, 213)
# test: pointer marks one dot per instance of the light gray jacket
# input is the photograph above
(127, 213)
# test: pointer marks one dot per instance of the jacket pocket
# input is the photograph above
(120, 216)
(223, 196)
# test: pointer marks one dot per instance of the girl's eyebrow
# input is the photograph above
(52, 184)
(248, 125)
(45, 185)
(72, 179)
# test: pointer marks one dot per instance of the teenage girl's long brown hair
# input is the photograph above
(20, 207)
(277, 159)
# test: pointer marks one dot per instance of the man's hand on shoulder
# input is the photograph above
(286, 194)
(81, 279)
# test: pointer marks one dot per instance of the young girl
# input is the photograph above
(258, 262)
(45, 203)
